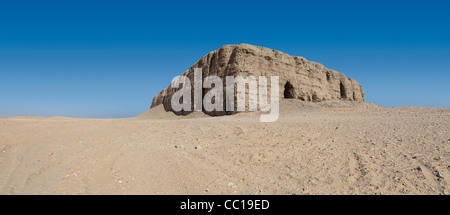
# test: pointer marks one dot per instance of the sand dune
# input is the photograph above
(314, 148)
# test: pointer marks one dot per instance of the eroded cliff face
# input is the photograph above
(298, 77)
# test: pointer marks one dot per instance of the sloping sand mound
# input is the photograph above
(286, 106)
(158, 112)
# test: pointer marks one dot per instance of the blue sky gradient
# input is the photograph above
(107, 59)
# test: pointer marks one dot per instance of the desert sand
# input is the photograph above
(330, 147)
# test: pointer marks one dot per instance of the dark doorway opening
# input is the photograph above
(343, 91)
(288, 91)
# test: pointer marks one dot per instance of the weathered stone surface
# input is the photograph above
(298, 77)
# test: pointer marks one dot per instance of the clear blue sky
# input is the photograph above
(108, 59)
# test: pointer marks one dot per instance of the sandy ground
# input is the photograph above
(334, 148)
